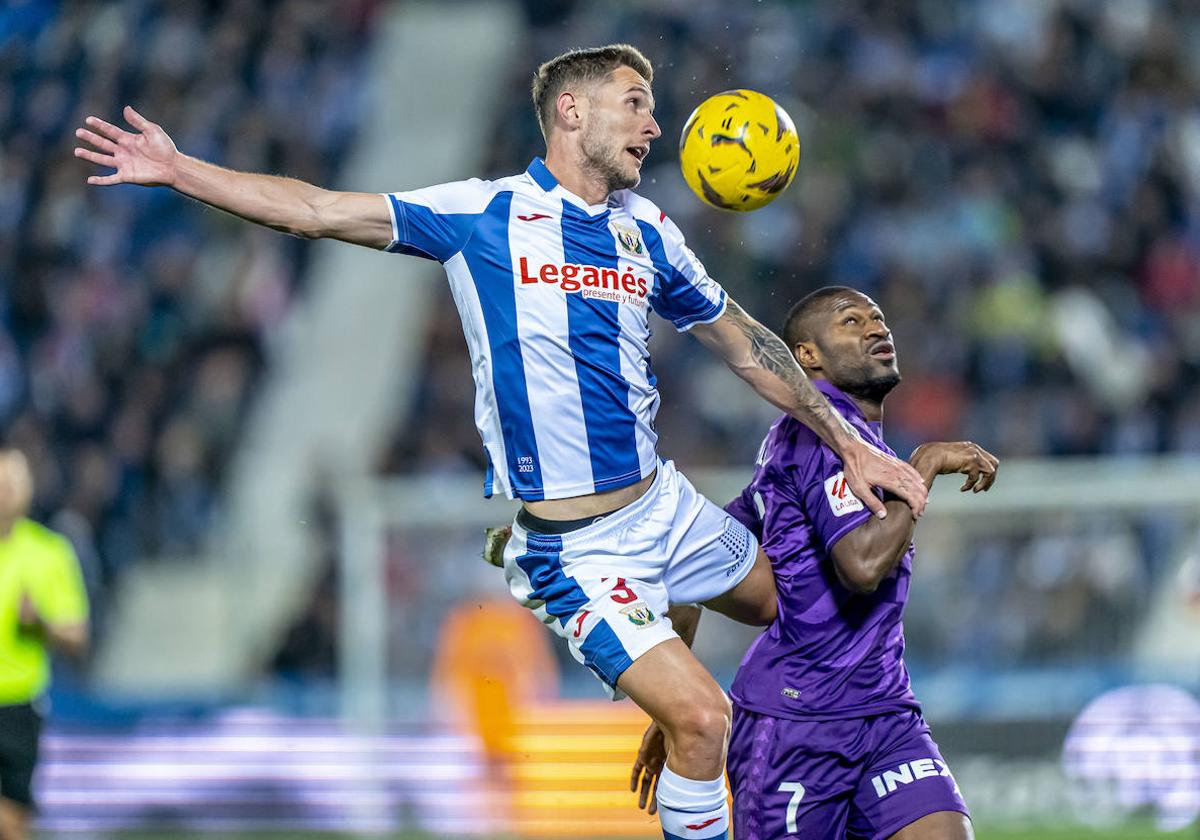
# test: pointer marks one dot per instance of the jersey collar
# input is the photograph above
(542, 176)
(845, 405)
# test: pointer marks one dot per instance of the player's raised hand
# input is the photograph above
(867, 467)
(962, 456)
(146, 156)
(647, 767)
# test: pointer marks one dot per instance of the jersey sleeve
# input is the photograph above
(830, 505)
(58, 590)
(436, 222)
(686, 294)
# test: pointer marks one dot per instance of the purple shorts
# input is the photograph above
(857, 778)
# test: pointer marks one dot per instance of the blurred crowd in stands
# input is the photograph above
(133, 328)
(1018, 185)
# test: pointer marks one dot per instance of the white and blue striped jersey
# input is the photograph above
(554, 297)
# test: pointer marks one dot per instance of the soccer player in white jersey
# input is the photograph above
(554, 271)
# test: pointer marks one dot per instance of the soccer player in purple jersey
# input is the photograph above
(828, 740)
(554, 271)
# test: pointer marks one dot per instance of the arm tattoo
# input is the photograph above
(770, 353)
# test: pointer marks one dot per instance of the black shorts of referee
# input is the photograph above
(20, 731)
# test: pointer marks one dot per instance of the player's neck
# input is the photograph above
(872, 411)
(574, 178)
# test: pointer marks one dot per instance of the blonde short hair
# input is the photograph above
(582, 67)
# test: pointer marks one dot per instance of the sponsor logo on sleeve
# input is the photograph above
(837, 493)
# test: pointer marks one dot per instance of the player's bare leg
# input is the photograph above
(753, 600)
(14, 821)
(942, 825)
(671, 686)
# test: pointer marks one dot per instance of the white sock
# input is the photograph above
(691, 809)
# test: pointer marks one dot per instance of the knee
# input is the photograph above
(701, 721)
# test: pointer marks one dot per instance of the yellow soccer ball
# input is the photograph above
(739, 150)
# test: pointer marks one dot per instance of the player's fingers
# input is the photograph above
(109, 130)
(868, 497)
(649, 782)
(96, 157)
(914, 475)
(101, 143)
(989, 478)
(653, 809)
(971, 475)
(981, 477)
(104, 180)
(914, 494)
(917, 494)
(136, 120)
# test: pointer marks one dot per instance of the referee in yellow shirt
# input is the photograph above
(43, 608)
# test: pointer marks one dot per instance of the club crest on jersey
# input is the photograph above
(630, 240)
(841, 500)
(639, 614)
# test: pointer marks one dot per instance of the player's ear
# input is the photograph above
(569, 108)
(807, 355)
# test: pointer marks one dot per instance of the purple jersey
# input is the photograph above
(831, 653)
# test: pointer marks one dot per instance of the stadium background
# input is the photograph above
(263, 452)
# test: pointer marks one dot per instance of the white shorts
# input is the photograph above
(606, 586)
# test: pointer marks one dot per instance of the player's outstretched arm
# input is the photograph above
(761, 358)
(148, 156)
(866, 555)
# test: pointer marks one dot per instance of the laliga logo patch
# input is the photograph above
(639, 614)
(630, 240)
(841, 500)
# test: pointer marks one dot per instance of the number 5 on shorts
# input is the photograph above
(797, 791)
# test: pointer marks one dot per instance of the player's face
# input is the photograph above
(14, 497)
(856, 350)
(618, 127)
